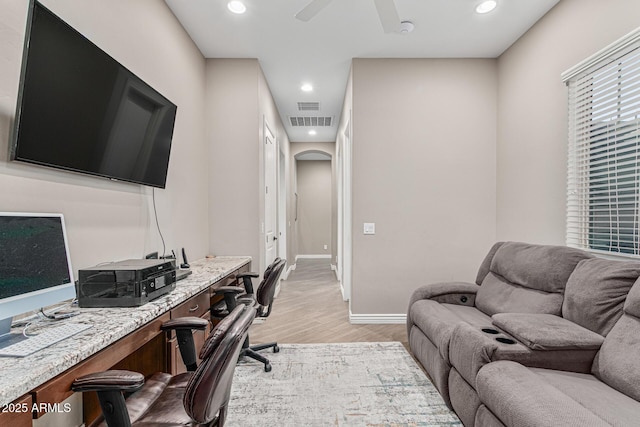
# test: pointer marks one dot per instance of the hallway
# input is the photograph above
(310, 309)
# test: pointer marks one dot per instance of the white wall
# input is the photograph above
(106, 220)
(424, 165)
(532, 113)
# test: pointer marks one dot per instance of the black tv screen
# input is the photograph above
(81, 110)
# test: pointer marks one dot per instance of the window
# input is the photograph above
(603, 197)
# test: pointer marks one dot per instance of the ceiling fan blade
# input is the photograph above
(388, 15)
(312, 9)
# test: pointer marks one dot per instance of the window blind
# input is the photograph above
(603, 184)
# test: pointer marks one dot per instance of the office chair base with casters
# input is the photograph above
(252, 352)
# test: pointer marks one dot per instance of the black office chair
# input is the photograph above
(261, 300)
(199, 397)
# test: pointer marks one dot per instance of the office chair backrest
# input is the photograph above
(267, 289)
(270, 268)
(207, 393)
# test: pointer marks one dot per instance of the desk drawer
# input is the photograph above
(195, 306)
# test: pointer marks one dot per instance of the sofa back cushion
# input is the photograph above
(526, 278)
(596, 292)
(617, 363)
(486, 263)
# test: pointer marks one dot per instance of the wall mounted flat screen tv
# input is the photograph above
(81, 110)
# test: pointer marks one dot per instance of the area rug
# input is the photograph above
(351, 384)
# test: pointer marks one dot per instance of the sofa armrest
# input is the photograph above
(461, 293)
(519, 397)
(470, 349)
(547, 332)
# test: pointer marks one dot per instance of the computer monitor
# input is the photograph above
(35, 266)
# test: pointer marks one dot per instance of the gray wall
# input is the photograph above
(293, 231)
(232, 134)
(532, 113)
(424, 165)
(109, 220)
(315, 194)
(238, 103)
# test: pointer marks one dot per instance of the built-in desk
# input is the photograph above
(120, 337)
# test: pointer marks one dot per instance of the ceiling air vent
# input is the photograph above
(308, 106)
(311, 121)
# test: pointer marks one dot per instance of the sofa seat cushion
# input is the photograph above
(518, 396)
(596, 292)
(612, 406)
(547, 332)
(437, 321)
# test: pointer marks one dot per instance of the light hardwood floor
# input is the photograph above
(310, 309)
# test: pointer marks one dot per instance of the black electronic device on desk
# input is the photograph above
(129, 283)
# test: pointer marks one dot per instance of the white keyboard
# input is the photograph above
(44, 339)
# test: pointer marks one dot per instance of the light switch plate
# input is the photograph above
(369, 228)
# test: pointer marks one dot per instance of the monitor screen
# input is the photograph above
(81, 110)
(35, 268)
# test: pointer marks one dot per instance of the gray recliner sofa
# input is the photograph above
(541, 306)
(513, 394)
(514, 277)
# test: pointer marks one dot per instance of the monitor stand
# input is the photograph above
(6, 337)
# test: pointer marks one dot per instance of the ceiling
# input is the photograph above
(319, 52)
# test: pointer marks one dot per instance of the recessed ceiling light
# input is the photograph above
(486, 6)
(313, 132)
(306, 87)
(236, 6)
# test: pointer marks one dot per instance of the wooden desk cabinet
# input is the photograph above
(146, 350)
(17, 413)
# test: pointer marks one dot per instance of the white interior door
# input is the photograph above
(346, 215)
(282, 205)
(270, 196)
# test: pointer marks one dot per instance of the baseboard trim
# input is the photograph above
(288, 271)
(312, 256)
(377, 319)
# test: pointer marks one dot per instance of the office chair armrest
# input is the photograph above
(229, 293)
(114, 380)
(184, 327)
(110, 386)
(189, 323)
(246, 280)
(247, 274)
(228, 289)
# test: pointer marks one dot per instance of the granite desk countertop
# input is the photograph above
(18, 376)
